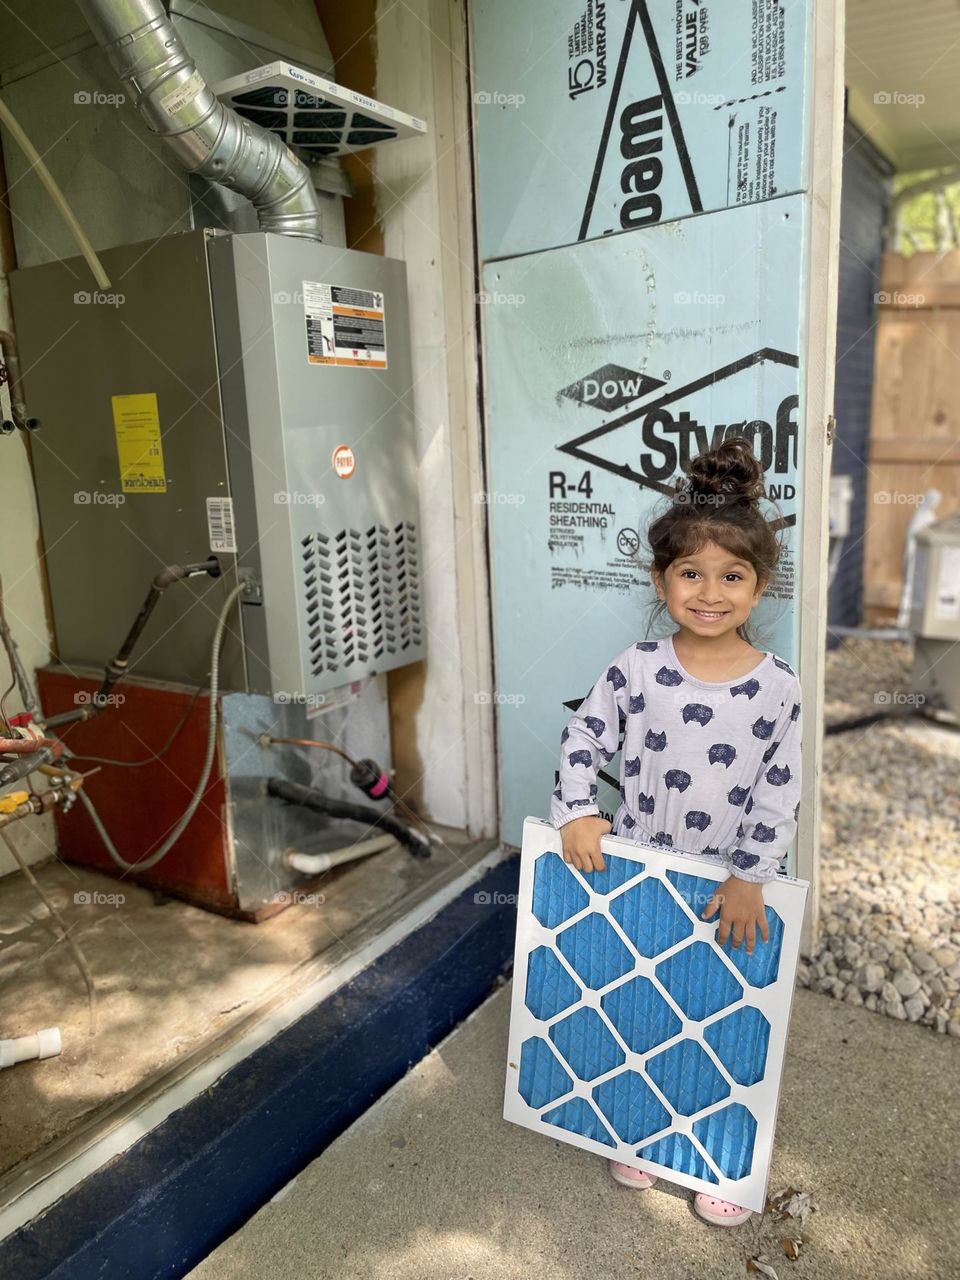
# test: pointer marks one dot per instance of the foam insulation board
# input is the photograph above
(632, 1033)
(608, 365)
(600, 116)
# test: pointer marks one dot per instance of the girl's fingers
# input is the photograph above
(751, 936)
(764, 927)
(711, 908)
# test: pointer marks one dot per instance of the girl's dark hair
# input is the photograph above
(717, 500)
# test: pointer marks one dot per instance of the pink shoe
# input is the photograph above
(722, 1213)
(627, 1176)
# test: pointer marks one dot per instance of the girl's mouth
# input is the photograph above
(705, 616)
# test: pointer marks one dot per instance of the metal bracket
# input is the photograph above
(252, 586)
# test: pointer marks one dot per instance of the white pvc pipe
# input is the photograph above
(44, 1044)
(56, 195)
(314, 863)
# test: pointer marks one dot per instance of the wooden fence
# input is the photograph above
(915, 416)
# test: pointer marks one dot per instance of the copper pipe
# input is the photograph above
(310, 742)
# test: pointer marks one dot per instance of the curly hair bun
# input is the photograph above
(731, 471)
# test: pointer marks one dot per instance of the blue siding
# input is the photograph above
(863, 213)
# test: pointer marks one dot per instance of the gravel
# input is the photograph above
(890, 848)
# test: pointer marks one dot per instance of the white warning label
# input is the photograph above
(344, 326)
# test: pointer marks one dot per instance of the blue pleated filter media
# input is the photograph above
(632, 1033)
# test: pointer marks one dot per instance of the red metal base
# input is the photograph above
(139, 806)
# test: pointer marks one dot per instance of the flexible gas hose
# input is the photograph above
(146, 863)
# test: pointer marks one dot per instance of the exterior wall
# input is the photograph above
(864, 199)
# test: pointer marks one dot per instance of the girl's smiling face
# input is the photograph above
(710, 593)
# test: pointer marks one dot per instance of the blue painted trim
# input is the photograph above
(164, 1205)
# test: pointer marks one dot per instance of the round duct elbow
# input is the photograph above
(207, 137)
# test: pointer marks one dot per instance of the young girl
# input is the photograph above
(711, 727)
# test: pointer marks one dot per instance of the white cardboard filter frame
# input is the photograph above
(784, 895)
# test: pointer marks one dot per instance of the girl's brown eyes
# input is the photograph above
(726, 575)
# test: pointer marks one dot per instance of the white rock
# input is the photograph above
(852, 996)
(870, 977)
(923, 962)
(913, 1008)
(907, 983)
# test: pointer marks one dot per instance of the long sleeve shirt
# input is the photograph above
(710, 768)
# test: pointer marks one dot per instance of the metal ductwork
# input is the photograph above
(207, 138)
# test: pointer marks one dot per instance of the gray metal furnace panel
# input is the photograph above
(152, 332)
(337, 546)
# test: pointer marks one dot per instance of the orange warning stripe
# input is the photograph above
(339, 310)
(345, 360)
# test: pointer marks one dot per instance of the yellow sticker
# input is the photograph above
(136, 421)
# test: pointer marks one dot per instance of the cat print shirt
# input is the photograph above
(705, 768)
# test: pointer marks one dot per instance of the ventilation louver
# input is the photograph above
(361, 594)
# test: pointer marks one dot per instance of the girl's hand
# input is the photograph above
(581, 842)
(740, 903)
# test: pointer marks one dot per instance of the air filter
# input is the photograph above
(632, 1033)
(314, 114)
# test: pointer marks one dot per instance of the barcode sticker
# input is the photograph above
(220, 524)
(180, 95)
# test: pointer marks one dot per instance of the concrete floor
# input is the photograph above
(175, 984)
(431, 1184)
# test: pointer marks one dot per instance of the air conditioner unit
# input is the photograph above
(935, 615)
